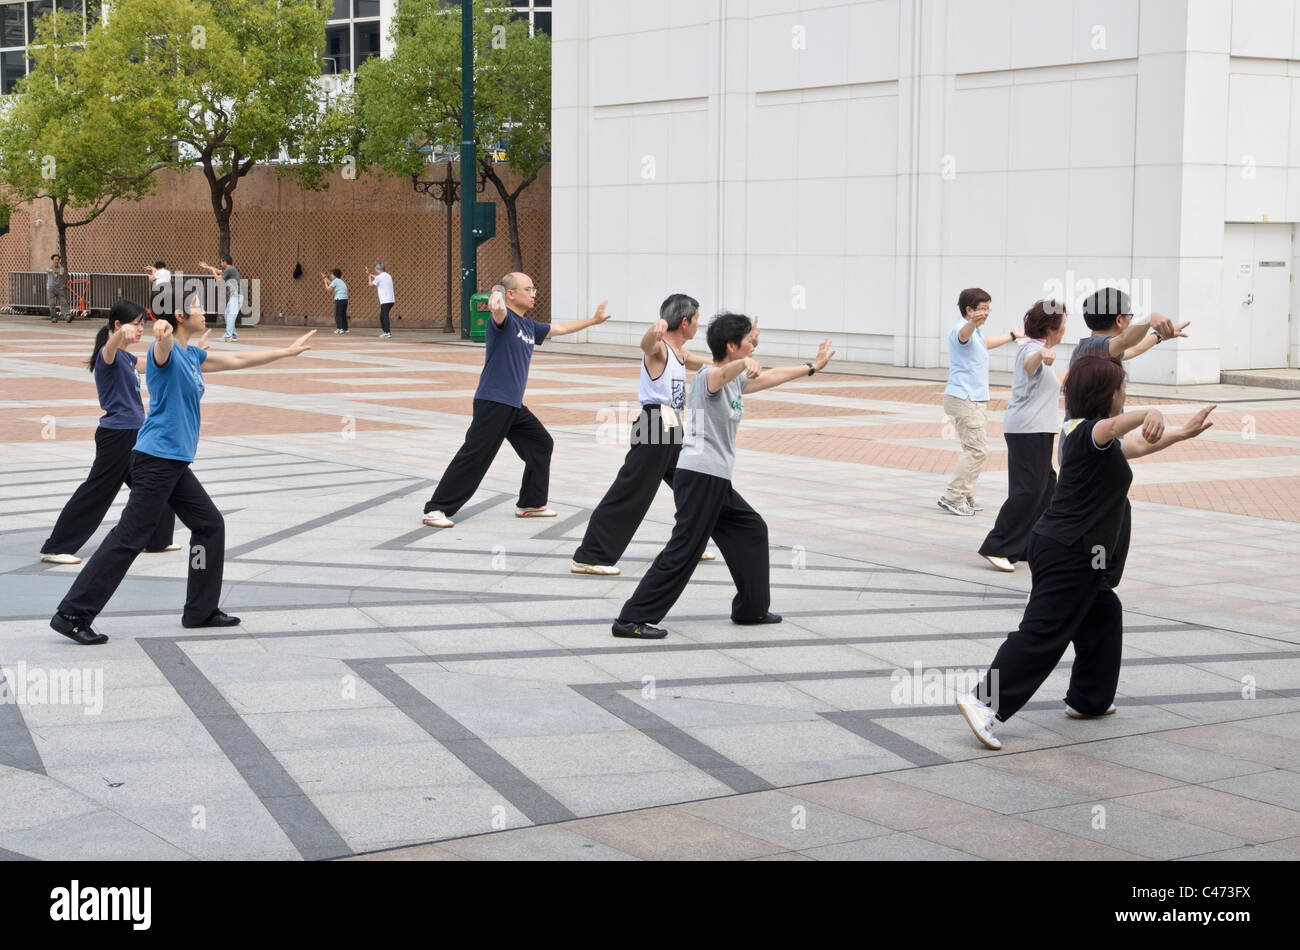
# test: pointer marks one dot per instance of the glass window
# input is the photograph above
(342, 10)
(338, 51)
(542, 23)
(365, 8)
(11, 70)
(367, 42)
(36, 9)
(71, 6)
(11, 25)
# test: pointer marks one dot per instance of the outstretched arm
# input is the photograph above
(221, 362)
(719, 376)
(1198, 424)
(770, 378)
(993, 342)
(575, 326)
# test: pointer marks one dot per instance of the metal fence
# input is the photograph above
(96, 293)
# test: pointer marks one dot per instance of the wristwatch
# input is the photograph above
(1156, 334)
(812, 370)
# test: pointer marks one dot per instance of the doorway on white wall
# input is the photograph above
(1256, 302)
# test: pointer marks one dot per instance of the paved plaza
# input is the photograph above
(401, 692)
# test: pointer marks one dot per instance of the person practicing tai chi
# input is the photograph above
(334, 284)
(1109, 315)
(656, 438)
(1077, 555)
(967, 395)
(707, 504)
(118, 384)
(232, 287)
(382, 281)
(161, 477)
(499, 411)
(1029, 427)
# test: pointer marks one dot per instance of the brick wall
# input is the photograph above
(276, 224)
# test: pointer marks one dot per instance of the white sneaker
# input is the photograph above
(1075, 714)
(973, 505)
(337, 331)
(542, 512)
(605, 569)
(980, 718)
(385, 336)
(1001, 563)
(436, 519)
(961, 508)
(60, 559)
(227, 338)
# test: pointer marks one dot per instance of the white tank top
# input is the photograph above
(670, 388)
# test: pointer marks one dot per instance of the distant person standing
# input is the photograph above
(233, 289)
(967, 396)
(340, 290)
(382, 281)
(56, 289)
(160, 279)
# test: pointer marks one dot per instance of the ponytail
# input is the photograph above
(123, 312)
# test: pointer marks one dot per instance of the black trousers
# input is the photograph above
(1031, 480)
(383, 316)
(155, 483)
(1070, 602)
(651, 459)
(340, 314)
(706, 505)
(494, 423)
(84, 511)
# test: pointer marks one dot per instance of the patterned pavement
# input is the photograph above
(393, 685)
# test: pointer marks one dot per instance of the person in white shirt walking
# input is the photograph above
(382, 281)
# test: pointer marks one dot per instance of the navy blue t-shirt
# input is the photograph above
(119, 391)
(509, 354)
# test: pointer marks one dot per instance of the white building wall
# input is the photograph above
(846, 168)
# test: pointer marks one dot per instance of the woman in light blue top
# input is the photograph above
(161, 476)
(340, 291)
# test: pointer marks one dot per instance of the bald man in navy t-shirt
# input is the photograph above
(499, 411)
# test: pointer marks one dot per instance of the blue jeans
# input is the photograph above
(233, 303)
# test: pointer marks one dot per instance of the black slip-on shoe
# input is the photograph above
(216, 619)
(77, 630)
(638, 631)
(768, 617)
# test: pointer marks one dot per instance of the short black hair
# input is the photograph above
(677, 309)
(226, 259)
(727, 328)
(1102, 309)
(159, 264)
(337, 273)
(53, 256)
(970, 299)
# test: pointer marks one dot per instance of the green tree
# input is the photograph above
(409, 105)
(65, 139)
(231, 83)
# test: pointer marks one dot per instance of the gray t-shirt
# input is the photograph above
(231, 277)
(1092, 346)
(56, 279)
(1034, 399)
(709, 433)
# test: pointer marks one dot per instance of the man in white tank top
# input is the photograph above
(656, 439)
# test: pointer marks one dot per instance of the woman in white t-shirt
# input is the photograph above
(1029, 427)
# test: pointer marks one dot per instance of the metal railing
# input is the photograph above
(96, 293)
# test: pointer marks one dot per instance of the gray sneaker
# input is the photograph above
(960, 508)
(973, 505)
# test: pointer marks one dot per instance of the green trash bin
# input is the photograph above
(479, 315)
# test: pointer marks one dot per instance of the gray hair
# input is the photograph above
(677, 309)
(380, 266)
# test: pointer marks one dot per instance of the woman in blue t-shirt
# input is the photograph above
(161, 476)
(118, 383)
(1076, 554)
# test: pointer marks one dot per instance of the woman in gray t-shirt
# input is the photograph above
(1029, 426)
